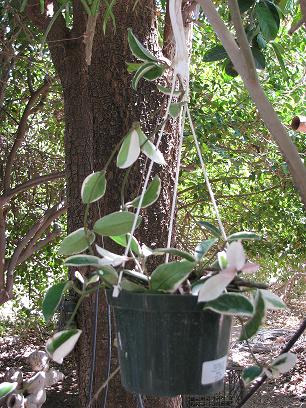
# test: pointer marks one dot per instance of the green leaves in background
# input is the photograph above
(117, 223)
(76, 242)
(168, 277)
(253, 325)
(93, 187)
(216, 53)
(62, 343)
(53, 298)
(245, 5)
(151, 195)
(268, 19)
(231, 304)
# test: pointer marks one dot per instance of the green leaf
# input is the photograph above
(229, 69)
(129, 150)
(82, 260)
(211, 228)
(6, 388)
(136, 277)
(231, 304)
(123, 241)
(168, 277)
(246, 235)
(268, 19)
(142, 70)
(133, 66)
(137, 49)
(76, 242)
(245, 5)
(249, 374)
(155, 72)
(53, 298)
(151, 195)
(117, 223)
(272, 301)
(108, 274)
(107, 15)
(259, 58)
(280, 59)
(175, 252)
(132, 286)
(260, 41)
(62, 343)
(167, 91)
(283, 363)
(175, 109)
(93, 187)
(253, 325)
(149, 149)
(203, 247)
(216, 53)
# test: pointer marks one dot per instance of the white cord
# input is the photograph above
(210, 191)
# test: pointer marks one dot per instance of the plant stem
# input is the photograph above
(103, 386)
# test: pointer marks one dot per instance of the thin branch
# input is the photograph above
(29, 184)
(33, 234)
(2, 246)
(266, 110)
(21, 131)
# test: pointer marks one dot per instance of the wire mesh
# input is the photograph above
(229, 397)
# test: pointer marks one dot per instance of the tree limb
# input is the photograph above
(29, 184)
(268, 114)
(21, 131)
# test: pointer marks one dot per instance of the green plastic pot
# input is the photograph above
(168, 345)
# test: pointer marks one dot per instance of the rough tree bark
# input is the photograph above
(100, 107)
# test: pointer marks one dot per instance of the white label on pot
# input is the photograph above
(213, 371)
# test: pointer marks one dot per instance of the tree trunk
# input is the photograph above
(100, 107)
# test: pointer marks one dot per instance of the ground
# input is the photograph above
(286, 392)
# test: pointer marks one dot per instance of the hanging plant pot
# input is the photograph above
(168, 345)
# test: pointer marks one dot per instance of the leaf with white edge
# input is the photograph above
(131, 286)
(216, 285)
(82, 260)
(168, 277)
(93, 279)
(249, 374)
(7, 388)
(109, 258)
(146, 250)
(243, 235)
(149, 149)
(211, 228)
(167, 91)
(235, 255)
(79, 277)
(93, 187)
(175, 252)
(154, 72)
(132, 67)
(222, 259)
(76, 242)
(175, 109)
(62, 343)
(196, 286)
(203, 247)
(117, 223)
(141, 72)
(283, 363)
(137, 49)
(231, 304)
(129, 150)
(123, 241)
(53, 298)
(252, 326)
(136, 276)
(151, 195)
(272, 301)
(108, 274)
